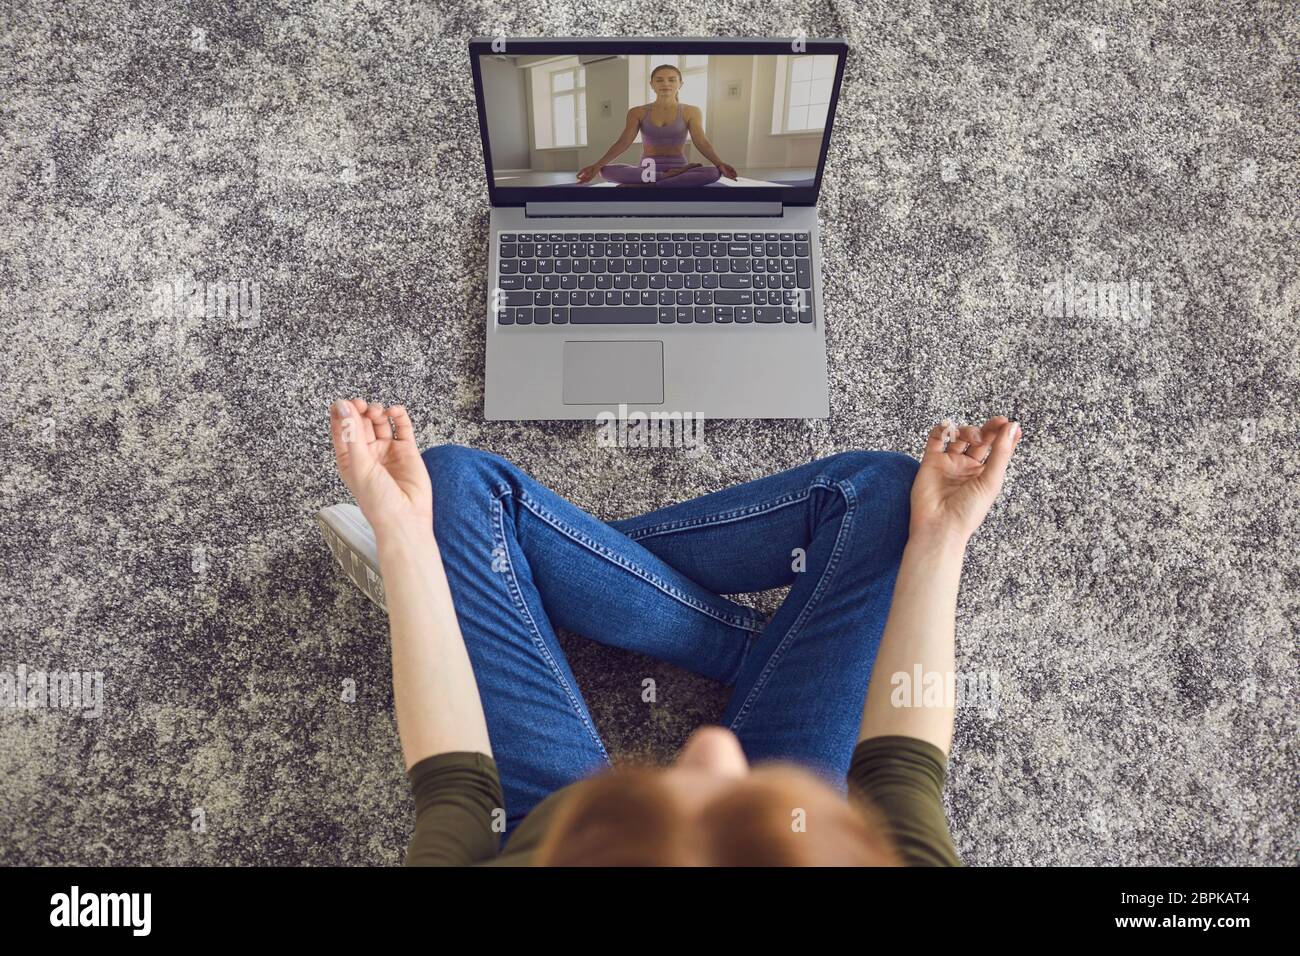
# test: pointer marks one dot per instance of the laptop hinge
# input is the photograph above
(643, 210)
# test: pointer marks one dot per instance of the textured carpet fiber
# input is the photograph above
(1134, 590)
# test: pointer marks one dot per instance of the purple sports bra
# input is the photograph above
(674, 134)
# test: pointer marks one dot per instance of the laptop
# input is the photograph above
(653, 234)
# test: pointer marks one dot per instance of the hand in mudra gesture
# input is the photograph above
(961, 476)
(381, 464)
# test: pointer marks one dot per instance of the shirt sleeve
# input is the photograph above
(903, 777)
(457, 798)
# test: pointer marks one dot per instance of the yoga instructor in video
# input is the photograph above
(663, 125)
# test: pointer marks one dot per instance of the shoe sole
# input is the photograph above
(352, 542)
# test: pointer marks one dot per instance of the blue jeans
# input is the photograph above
(521, 560)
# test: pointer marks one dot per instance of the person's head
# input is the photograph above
(711, 808)
(666, 80)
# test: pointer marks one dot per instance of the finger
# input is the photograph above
(340, 411)
(967, 435)
(937, 440)
(365, 428)
(345, 431)
(979, 443)
(402, 427)
(379, 421)
(1003, 448)
(988, 433)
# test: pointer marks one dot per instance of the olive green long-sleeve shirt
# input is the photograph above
(460, 811)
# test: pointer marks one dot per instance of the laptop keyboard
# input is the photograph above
(652, 278)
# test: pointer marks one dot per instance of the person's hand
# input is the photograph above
(382, 466)
(960, 477)
(728, 170)
(587, 173)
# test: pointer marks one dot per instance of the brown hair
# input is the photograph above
(781, 815)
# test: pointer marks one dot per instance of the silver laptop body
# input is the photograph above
(668, 353)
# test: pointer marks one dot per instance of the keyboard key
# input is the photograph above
(736, 297)
(631, 315)
(744, 313)
(684, 315)
(736, 281)
(506, 316)
(703, 314)
(768, 314)
(667, 315)
(803, 274)
(523, 316)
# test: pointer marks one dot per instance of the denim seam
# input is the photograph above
(521, 605)
(850, 500)
(725, 517)
(753, 625)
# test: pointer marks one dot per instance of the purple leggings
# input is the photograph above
(625, 174)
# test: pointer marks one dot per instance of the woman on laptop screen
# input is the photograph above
(664, 125)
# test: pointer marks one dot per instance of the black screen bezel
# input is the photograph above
(520, 195)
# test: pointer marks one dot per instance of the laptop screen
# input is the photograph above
(679, 121)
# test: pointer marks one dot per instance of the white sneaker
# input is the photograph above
(352, 541)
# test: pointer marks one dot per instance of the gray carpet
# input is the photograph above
(1135, 589)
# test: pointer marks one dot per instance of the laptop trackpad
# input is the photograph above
(604, 373)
